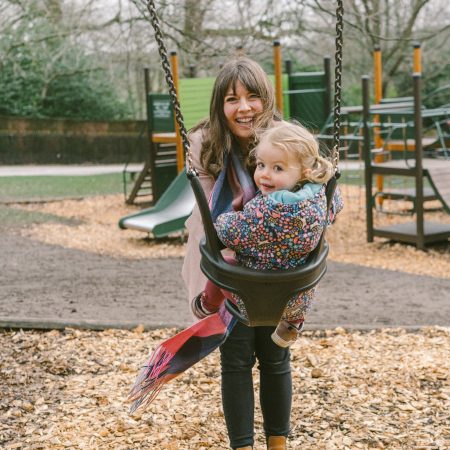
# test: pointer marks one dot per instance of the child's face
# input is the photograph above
(275, 169)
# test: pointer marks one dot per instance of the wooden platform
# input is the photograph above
(407, 232)
(164, 138)
(427, 164)
(406, 194)
(399, 144)
(436, 170)
(440, 181)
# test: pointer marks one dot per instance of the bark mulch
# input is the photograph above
(381, 389)
(386, 389)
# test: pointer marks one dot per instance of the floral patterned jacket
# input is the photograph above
(271, 233)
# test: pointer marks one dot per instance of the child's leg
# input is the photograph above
(211, 298)
(287, 331)
(293, 318)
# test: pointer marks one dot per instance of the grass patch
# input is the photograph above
(356, 178)
(42, 187)
(13, 217)
(353, 177)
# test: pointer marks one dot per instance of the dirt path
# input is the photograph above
(50, 282)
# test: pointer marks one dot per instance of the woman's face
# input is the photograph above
(241, 108)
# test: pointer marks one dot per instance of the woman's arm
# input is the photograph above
(206, 180)
(192, 275)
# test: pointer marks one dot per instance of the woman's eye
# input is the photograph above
(230, 99)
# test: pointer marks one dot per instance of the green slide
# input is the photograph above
(170, 212)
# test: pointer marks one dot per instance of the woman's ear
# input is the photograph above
(307, 173)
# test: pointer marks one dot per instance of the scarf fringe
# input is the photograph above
(151, 379)
(175, 355)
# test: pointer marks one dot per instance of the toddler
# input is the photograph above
(282, 224)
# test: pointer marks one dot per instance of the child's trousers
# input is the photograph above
(239, 353)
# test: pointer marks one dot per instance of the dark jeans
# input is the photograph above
(238, 356)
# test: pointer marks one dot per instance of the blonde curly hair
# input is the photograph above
(297, 141)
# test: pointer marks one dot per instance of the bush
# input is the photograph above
(42, 76)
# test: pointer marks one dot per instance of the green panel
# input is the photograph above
(160, 113)
(195, 97)
(308, 107)
(399, 126)
(285, 87)
(165, 174)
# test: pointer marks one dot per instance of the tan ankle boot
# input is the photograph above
(276, 443)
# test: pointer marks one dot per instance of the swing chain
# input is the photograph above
(170, 83)
(338, 82)
(176, 104)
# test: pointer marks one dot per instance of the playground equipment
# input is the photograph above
(392, 132)
(168, 215)
(160, 167)
(396, 132)
(309, 95)
(437, 171)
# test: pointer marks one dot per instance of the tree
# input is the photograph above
(393, 25)
(43, 74)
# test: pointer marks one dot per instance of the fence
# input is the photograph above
(67, 141)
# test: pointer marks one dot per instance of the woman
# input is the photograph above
(242, 101)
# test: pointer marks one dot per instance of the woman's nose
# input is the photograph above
(243, 105)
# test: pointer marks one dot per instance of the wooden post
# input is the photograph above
(417, 59)
(418, 153)
(378, 95)
(367, 157)
(179, 142)
(278, 76)
(378, 75)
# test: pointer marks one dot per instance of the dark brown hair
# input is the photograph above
(217, 139)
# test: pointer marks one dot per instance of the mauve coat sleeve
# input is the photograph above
(192, 275)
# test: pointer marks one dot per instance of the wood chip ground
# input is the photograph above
(385, 389)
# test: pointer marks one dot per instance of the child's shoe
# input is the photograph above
(199, 309)
(286, 333)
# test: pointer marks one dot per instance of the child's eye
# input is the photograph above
(278, 169)
(260, 165)
(253, 96)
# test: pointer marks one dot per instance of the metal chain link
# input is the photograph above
(338, 82)
(170, 83)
